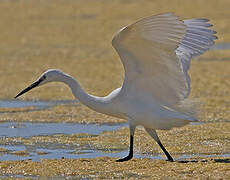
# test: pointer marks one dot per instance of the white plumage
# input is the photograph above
(156, 53)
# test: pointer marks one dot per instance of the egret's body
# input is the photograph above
(156, 53)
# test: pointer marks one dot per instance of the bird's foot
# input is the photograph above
(170, 159)
(125, 158)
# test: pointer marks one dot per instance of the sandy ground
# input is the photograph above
(75, 36)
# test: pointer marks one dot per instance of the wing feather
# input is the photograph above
(156, 52)
(198, 39)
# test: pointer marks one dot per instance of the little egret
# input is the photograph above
(156, 53)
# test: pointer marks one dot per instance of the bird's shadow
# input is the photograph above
(227, 160)
(222, 160)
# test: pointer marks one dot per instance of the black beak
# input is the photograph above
(36, 83)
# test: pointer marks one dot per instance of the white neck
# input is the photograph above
(99, 104)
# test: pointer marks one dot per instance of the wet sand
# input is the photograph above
(75, 36)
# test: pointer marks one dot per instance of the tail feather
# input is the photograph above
(181, 114)
(189, 107)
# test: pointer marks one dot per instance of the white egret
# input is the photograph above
(156, 53)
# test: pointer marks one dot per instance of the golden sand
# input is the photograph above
(75, 36)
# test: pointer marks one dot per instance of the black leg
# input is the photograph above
(153, 134)
(130, 156)
(165, 151)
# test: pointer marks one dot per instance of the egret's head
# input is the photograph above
(49, 76)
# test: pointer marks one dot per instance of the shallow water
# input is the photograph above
(189, 156)
(27, 129)
(36, 104)
(71, 153)
(43, 150)
(47, 150)
(50, 150)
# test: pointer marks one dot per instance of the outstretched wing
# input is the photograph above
(198, 39)
(152, 53)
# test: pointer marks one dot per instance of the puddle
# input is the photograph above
(18, 176)
(39, 153)
(43, 150)
(27, 129)
(31, 106)
(182, 157)
(49, 150)
(36, 104)
(197, 123)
